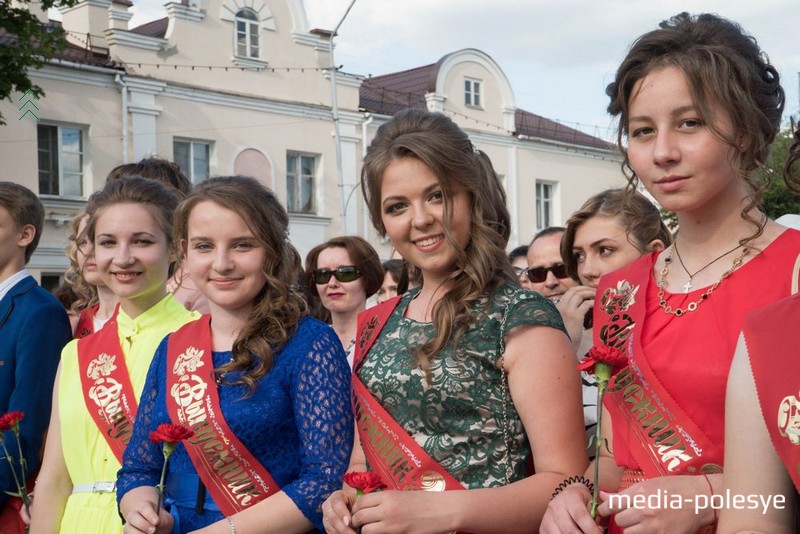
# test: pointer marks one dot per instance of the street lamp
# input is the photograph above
(335, 111)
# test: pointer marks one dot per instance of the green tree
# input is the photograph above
(27, 44)
(777, 199)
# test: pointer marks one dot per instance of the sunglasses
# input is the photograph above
(537, 275)
(518, 271)
(345, 273)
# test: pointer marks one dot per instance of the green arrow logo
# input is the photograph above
(29, 94)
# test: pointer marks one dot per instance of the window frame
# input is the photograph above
(294, 198)
(545, 204)
(473, 92)
(190, 171)
(60, 152)
(252, 27)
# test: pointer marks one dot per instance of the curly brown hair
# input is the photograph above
(724, 67)
(435, 140)
(279, 306)
(640, 218)
(86, 293)
(790, 174)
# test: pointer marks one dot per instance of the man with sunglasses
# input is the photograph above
(546, 271)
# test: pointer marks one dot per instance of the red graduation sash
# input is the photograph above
(107, 388)
(389, 449)
(665, 441)
(773, 341)
(233, 476)
(85, 326)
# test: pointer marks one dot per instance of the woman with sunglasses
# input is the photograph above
(464, 382)
(698, 105)
(343, 273)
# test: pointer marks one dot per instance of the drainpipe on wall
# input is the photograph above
(364, 129)
(119, 79)
(335, 111)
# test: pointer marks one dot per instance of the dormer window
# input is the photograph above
(246, 23)
(472, 93)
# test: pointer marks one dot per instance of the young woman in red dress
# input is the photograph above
(698, 105)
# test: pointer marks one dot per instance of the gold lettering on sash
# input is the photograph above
(367, 332)
(189, 393)
(615, 333)
(107, 392)
(665, 439)
(384, 445)
(622, 380)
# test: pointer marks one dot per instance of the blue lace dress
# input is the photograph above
(305, 448)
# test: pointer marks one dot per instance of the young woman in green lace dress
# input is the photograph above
(476, 371)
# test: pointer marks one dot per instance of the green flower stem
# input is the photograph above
(168, 450)
(20, 489)
(23, 467)
(602, 373)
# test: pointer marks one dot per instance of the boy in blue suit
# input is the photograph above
(33, 329)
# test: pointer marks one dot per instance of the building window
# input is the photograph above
(544, 205)
(300, 171)
(246, 23)
(61, 151)
(193, 158)
(472, 92)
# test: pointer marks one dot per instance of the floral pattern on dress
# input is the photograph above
(458, 418)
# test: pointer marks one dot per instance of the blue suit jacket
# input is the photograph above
(33, 329)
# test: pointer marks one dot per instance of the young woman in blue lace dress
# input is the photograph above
(280, 378)
(476, 372)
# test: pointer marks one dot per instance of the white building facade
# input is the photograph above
(244, 87)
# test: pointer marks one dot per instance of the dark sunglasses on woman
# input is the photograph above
(345, 273)
(537, 275)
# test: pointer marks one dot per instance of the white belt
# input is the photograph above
(95, 487)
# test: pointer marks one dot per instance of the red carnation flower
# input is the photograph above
(170, 433)
(603, 354)
(604, 362)
(10, 421)
(364, 481)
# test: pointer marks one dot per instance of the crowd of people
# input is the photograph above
(451, 368)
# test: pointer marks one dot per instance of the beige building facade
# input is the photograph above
(245, 87)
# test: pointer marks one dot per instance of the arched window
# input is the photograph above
(246, 33)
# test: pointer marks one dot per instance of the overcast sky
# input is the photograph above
(558, 54)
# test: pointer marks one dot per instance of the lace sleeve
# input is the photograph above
(321, 398)
(141, 462)
(529, 308)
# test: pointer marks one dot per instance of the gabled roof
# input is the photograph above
(156, 28)
(533, 125)
(393, 92)
(390, 93)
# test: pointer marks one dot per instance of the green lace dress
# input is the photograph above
(458, 418)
